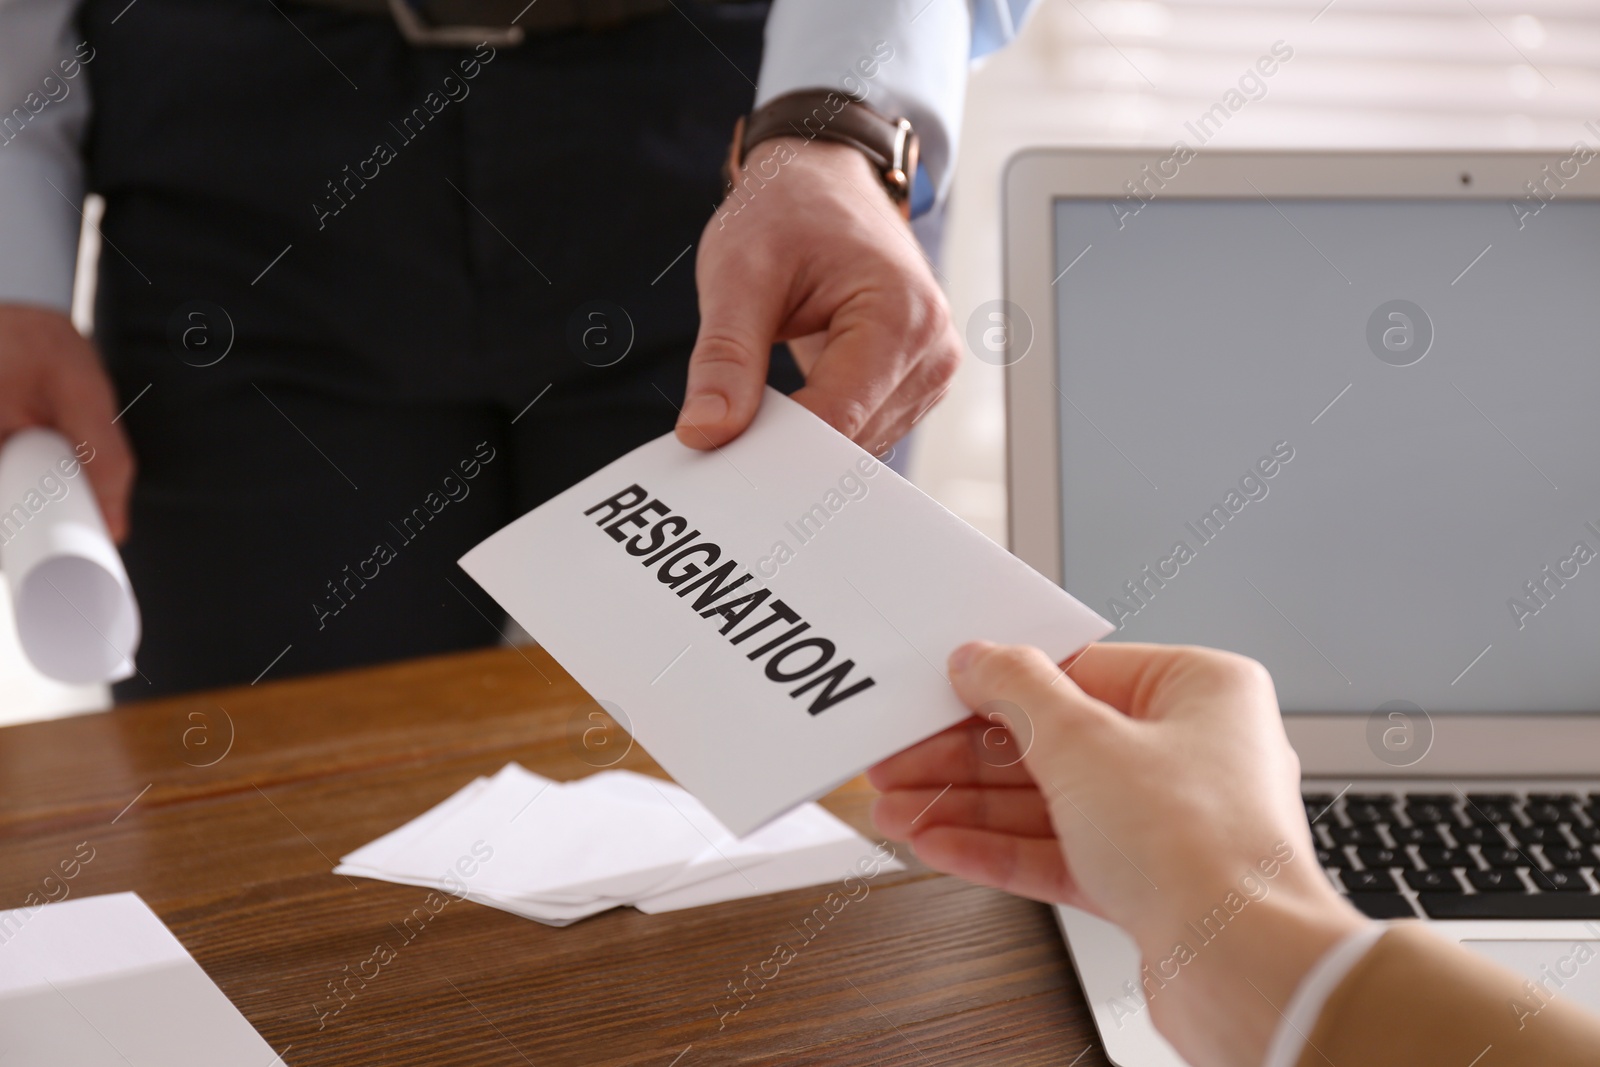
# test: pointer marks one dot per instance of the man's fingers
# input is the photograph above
(844, 388)
(1019, 810)
(85, 406)
(896, 416)
(807, 350)
(1026, 866)
(913, 398)
(970, 753)
(741, 307)
(875, 341)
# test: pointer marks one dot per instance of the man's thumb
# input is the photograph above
(728, 367)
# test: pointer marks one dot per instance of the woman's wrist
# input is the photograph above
(1220, 988)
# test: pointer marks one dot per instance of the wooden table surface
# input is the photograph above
(227, 810)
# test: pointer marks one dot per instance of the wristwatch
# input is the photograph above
(890, 145)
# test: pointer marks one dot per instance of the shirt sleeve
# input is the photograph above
(44, 94)
(995, 23)
(1312, 994)
(903, 57)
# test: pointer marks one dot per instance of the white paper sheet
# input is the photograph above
(76, 615)
(101, 982)
(806, 847)
(524, 824)
(891, 580)
(375, 854)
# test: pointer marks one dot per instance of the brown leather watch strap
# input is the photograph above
(890, 145)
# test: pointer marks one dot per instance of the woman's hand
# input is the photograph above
(1150, 785)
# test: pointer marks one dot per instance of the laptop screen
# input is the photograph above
(1358, 440)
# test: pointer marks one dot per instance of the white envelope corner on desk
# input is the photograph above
(883, 582)
(101, 982)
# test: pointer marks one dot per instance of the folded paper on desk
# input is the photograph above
(101, 982)
(76, 616)
(771, 617)
(558, 852)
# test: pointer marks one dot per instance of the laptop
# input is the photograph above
(1338, 411)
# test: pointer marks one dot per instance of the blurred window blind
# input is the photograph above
(1363, 73)
(1373, 72)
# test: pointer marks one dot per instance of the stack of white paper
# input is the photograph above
(558, 852)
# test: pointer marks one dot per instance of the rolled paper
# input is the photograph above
(76, 616)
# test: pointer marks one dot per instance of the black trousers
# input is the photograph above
(281, 527)
(338, 268)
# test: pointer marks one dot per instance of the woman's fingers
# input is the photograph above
(979, 751)
(1140, 680)
(1020, 811)
(1029, 867)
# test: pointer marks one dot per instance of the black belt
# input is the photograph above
(464, 23)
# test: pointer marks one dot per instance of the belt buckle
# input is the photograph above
(423, 34)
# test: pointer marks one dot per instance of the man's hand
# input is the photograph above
(51, 377)
(810, 250)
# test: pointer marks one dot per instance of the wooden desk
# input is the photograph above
(235, 858)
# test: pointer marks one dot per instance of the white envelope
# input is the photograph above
(883, 584)
(101, 982)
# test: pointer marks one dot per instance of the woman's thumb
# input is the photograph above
(1022, 689)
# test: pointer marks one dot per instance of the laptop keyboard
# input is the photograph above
(1503, 855)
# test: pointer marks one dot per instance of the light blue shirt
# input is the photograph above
(928, 44)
